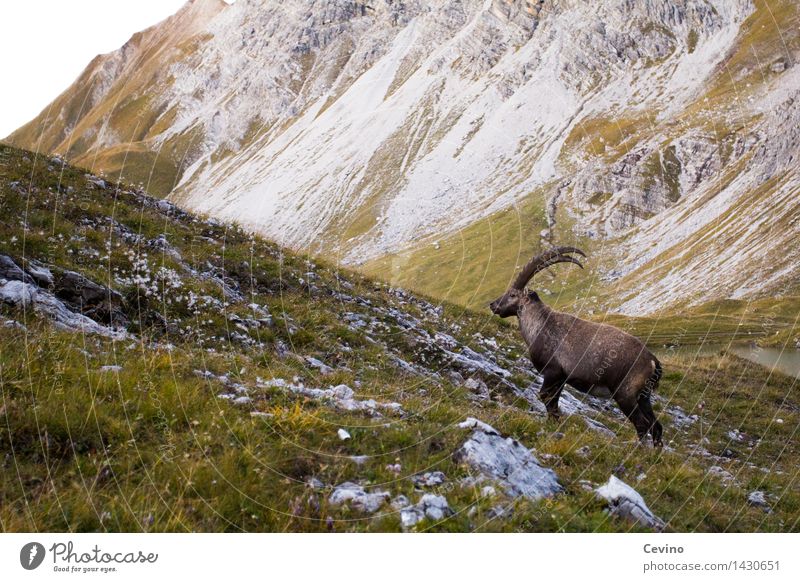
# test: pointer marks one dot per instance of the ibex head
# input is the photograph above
(510, 302)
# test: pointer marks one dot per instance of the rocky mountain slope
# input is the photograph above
(161, 371)
(434, 144)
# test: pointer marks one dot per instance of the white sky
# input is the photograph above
(45, 44)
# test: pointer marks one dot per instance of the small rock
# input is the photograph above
(410, 516)
(436, 506)
(721, 474)
(110, 368)
(498, 511)
(324, 369)
(430, 506)
(477, 424)
(626, 502)
(778, 66)
(488, 491)
(10, 271)
(17, 293)
(40, 274)
(400, 502)
(428, 479)
(77, 289)
(736, 435)
(598, 426)
(343, 434)
(478, 387)
(165, 206)
(759, 499)
(358, 498)
(13, 324)
(260, 414)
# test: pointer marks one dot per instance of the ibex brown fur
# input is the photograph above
(595, 358)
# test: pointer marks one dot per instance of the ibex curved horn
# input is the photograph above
(544, 260)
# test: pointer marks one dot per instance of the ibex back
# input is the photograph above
(595, 358)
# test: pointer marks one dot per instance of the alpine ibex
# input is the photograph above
(594, 358)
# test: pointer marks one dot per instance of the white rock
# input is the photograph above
(411, 516)
(508, 462)
(358, 498)
(323, 368)
(400, 502)
(17, 293)
(430, 479)
(478, 424)
(477, 387)
(343, 434)
(721, 474)
(260, 414)
(434, 507)
(41, 274)
(759, 499)
(626, 502)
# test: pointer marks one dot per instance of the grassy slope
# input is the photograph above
(152, 447)
(116, 135)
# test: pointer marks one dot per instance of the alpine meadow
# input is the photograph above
(406, 266)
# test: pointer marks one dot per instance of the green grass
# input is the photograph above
(152, 447)
(474, 265)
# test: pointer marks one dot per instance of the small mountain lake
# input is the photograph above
(785, 360)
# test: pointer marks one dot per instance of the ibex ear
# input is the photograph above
(533, 296)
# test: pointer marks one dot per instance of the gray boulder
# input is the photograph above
(507, 461)
(17, 293)
(434, 507)
(625, 501)
(78, 290)
(355, 496)
(10, 271)
(430, 479)
(40, 274)
(759, 499)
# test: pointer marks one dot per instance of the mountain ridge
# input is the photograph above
(377, 133)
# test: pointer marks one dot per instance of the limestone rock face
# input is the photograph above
(355, 128)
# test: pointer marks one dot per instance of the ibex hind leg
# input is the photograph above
(550, 392)
(630, 406)
(656, 430)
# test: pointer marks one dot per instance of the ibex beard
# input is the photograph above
(595, 358)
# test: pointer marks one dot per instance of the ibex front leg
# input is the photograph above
(550, 392)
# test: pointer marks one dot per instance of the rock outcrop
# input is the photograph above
(506, 461)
